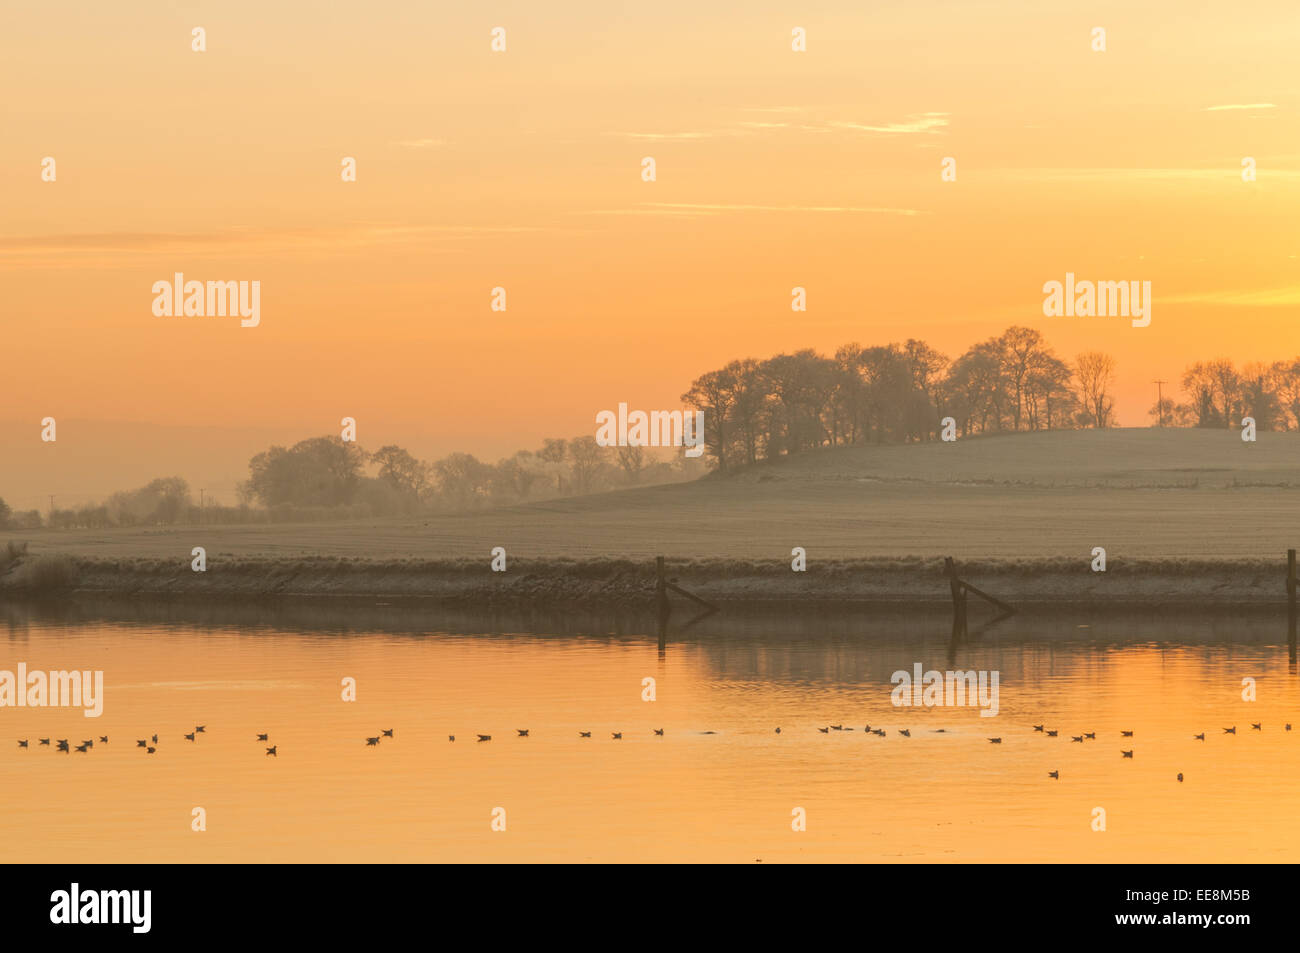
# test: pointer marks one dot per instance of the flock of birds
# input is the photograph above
(1048, 732)
(614, 735)
(150, 744)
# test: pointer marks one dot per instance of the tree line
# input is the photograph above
(754, 411)
(899, 393)
(328, 478)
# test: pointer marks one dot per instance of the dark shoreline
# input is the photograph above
(1236, 585)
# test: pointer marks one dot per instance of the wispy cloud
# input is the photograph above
(1215, 109)
(719, 208)
(676, 135)
(917, 123)
(1171, 175)
(105, 248)
(920, 122)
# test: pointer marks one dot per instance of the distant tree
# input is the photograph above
(926, 367)
(1163, 411)
(400, 470)
(6, 515)
(463, 479)
(1201, 410)
(1050, 400)
(745, 401)
(554, 452)
(631, 460)
(1023, 353)
(320, 471)
(1227, 391)
(715, 394)
(165, 500)
(974, 388)
(1258, 391)
(521, 473)
(585, 459)
(1096, 372)
(1286, 382)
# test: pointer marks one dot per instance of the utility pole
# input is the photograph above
(200, 506)
(1160, 401)
(51, 511)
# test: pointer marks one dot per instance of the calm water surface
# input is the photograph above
(689, 795)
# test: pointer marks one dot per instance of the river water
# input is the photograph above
(720, 784)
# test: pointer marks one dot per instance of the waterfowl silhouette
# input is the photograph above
(1255, 725)
(778, 729)
(263, 737)
(142, 744)
(62, 744)
(849, 729)
(905, 732)
(1054, 774)
(83, 748)
(1230, 731)
(584, 734)
(660, 732)
(271, 751)
(1200, 737)
(617, 735)
(1038, 727)
(45, 741)
(837, 727)
(154, 739)
(150, 750)
(451, 737)
(1076, 738)
(1053, 734)
(371, 742)
(89, 744)
(484, 737)
(523, 732)
(1090, 734)
(103, 739)
(22, 743)
(995, 741)
(1180, 776)
(190, 736)
(879, 731)
(938, 731)
(1127, 754)
(1126, 734)
(198, 728)
(387, 733)
(825, 731)
(1288, 726)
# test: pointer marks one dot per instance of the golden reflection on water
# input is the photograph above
(686, 796)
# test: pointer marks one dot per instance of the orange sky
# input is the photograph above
(522, 169)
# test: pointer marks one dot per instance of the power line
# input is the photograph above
(1160, 401)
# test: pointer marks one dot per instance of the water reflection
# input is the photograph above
(719, 784)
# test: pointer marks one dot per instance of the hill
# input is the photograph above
(1167, 497)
